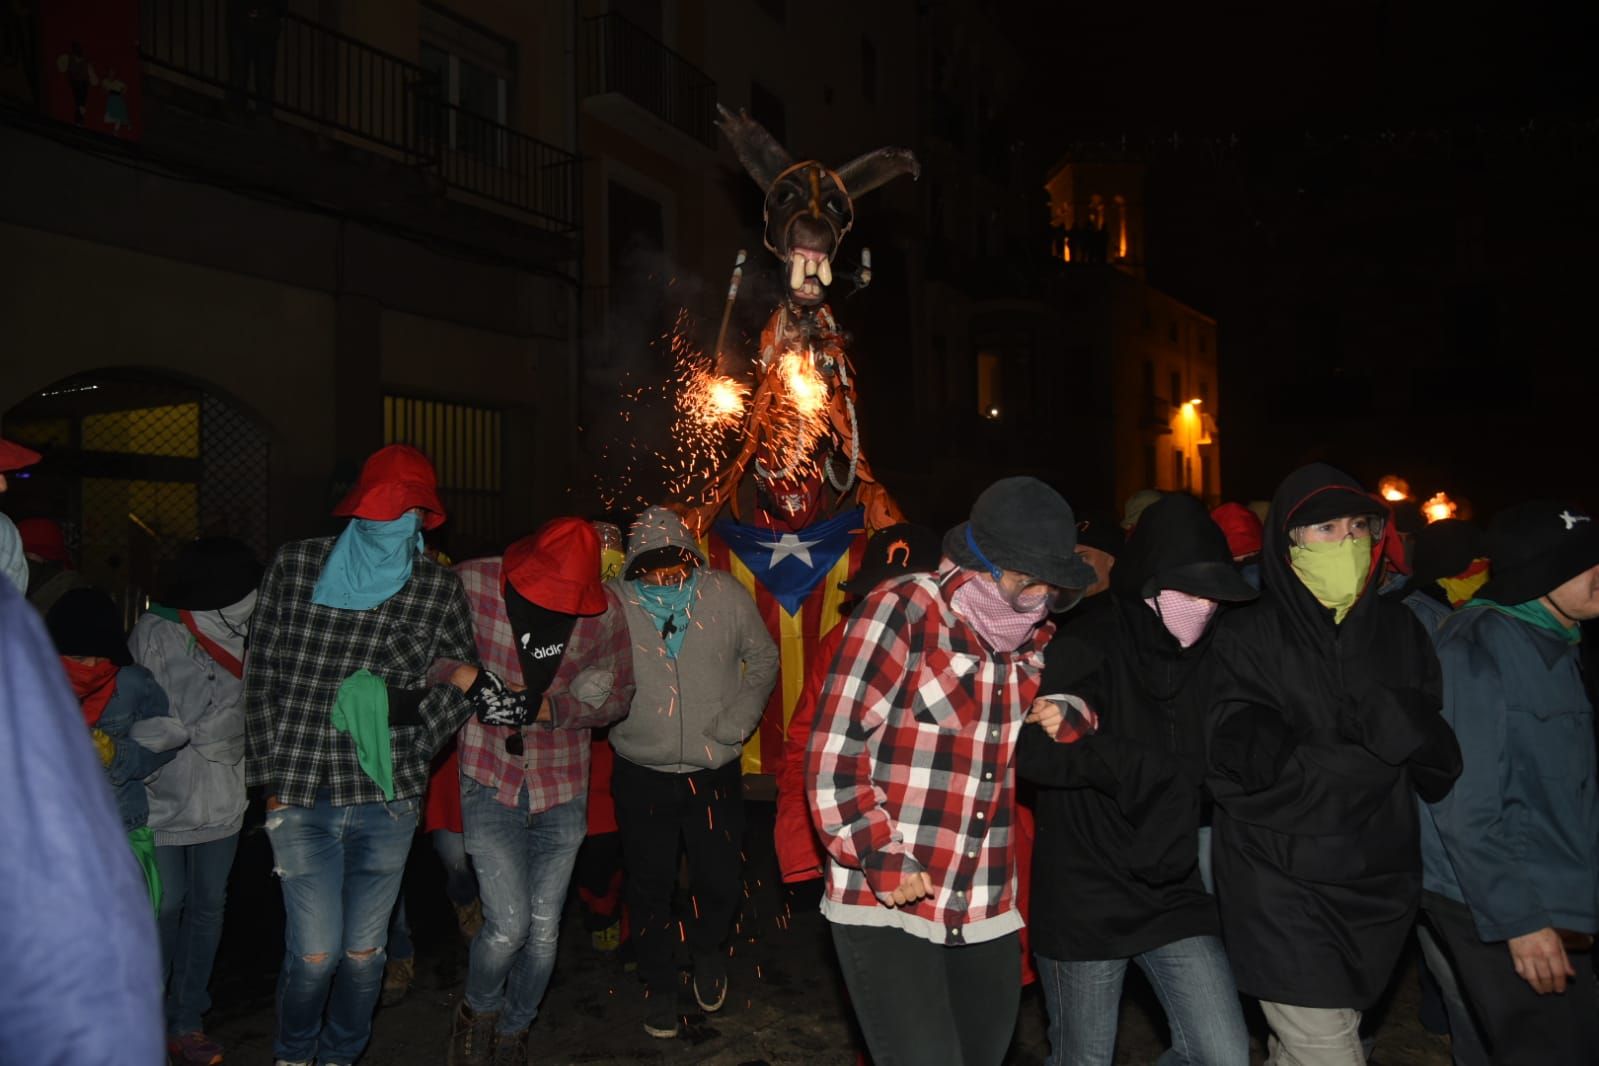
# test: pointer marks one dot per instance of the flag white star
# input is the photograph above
(790, 544)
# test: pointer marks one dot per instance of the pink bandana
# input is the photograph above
(980, 602)
(1185, 617)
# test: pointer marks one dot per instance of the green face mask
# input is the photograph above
(1334, 573)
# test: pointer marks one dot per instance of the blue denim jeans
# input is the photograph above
(524, 864)
(460, 885)
(194, 880)
(1193, 982)
(341, 870)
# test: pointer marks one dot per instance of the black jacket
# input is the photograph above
(1115, 861)
(1320, 741)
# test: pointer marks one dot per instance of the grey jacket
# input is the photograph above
(693, 712)
(199, 796)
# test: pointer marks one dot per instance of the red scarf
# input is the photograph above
(223, 657)
(94, 684)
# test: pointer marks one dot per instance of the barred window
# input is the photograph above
(465, 444)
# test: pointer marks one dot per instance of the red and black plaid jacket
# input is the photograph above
(909, 767)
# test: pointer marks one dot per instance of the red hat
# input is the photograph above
(44, 538)
(14, 456)
(558, 567)
(1244, 531)
(394, 480)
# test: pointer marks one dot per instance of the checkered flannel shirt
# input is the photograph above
(301, 652)
(910, 765)
(554, 764)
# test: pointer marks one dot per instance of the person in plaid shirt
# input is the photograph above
(340, 726)
(910, 778)
(546, 625)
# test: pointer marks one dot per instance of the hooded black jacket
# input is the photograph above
(1115, 860)
(1318, 745)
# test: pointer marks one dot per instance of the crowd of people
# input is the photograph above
(1253, 752)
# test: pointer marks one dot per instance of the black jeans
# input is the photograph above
(919, 1003)
(705, 810)
(1518, 1025)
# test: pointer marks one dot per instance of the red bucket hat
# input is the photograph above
(14, 456)
(394, 480)
(45, 538)
(558, 567)
(1243, 530)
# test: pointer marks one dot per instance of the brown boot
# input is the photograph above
(469, 918)
(397, 978)
(510, 1049)
(471, 1038)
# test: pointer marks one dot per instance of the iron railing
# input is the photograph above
(290, 65)
(487, 159)
(618, 57)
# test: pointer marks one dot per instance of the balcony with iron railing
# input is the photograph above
(619, 57)
(308, 75)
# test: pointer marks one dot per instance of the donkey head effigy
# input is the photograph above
(809, 207)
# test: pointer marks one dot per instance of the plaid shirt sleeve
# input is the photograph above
(847, 804)
(446, 707)
(260, 715)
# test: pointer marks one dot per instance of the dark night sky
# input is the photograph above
(1389, 208)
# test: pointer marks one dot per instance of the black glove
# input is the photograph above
(498, 705)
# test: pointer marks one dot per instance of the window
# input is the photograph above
(475, 73)
(766, 107)
(465, 444)
(1178, 465)
(1176, 396)
(1151, 466)
(868, 71)
(1204, 391)
(990, 383)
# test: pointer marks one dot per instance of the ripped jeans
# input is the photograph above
(524, 863)
(341, 869)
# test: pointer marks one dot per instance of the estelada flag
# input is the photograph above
(794, 578)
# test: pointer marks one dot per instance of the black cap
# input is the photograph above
(906, 548)
(1445, 548)
(1536, 547)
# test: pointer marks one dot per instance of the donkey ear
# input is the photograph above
(866, 172)
(758, 150)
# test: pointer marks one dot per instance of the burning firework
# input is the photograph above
(1394, 489)
(1438, 508)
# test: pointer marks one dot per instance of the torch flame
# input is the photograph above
(1438, 508)
(1394, 489)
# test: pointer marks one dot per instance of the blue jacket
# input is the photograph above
(1518, 838)
(137, 697)
(82, 977)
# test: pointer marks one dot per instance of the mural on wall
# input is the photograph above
(89, 71)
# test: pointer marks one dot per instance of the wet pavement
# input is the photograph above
(785, 1006)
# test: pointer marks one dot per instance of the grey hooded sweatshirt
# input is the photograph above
(693, 712)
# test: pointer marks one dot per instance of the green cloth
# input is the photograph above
(1534, 613)
(1334, 572)
(362, 710)
(161, 610)
(142, 841)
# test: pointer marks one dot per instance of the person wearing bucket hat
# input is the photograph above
(1511, 855)
(13, 457)
(192, 641)
(341, 725)
(938, 670)
(1120, 867)
(704, 665)
(125, 710)
(1324, 729)
(905, 548)
(548, 626)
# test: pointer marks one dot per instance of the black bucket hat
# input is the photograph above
(209, 574)
(86, 622)
(1021, 524)
(906, 548)
(1536, 547)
